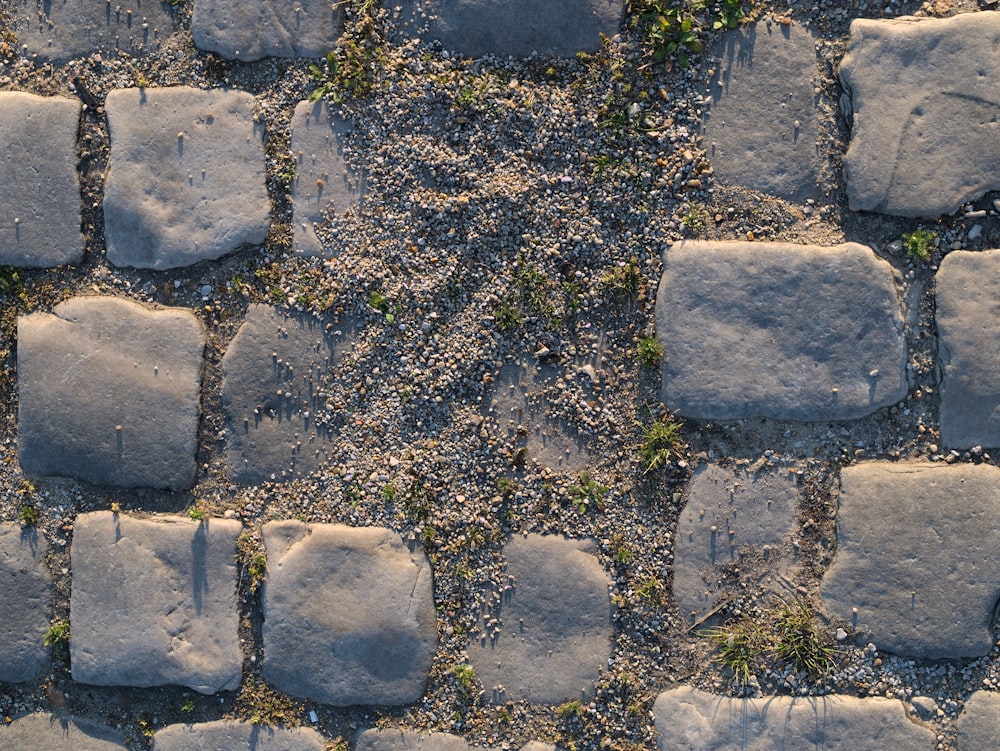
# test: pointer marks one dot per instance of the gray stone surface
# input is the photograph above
(512, 27)
(348, 614)
(323, 184)
(271, 436)
(978, 726)
(925, 96)
(968, 296)
(251, 29)
(760, 131)
(24, 602)
(46, 732)
(691, 720)
(772, 330)
(153, 602)
(523, 406)
(186, 180)
(408, 740)
(70, 29)
(918, 551)
(223, 735)
(753, 514)
(108, 392)
(40, 220)
(555, 623)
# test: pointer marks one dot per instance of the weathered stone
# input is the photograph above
(186, 176)
(323, 183)
(732, 517)
(40, 220)
(761, 131)
(925, 98)
(69, 29)
(691, 720)
(968, 295)
(554, 630)
(109, 392)
(251, 29)
(273, 373)
(522, 408)
(781, 331)
(223, 735)
(348, 614)
(917, 554)
(154, 602)
(408, 740)
(978, 726)
(24, 602)
(513, 27)
(46, 732)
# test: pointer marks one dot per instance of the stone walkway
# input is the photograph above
(113, 394)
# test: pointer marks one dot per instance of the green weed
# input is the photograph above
(650, 351)
(28, 514)
(624, 280)
(257, 568)
(57, 634)
(919, 244)
(571, 709)
(668, 30)
(661, 440)
(465, 676)
(740, 647)
(799, 642)
(587, 492)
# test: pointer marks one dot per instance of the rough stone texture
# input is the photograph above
(348, 614)
(187, 176)
(691, 720)
(69, 29)
(978, 726)
(761, 131)
(925, 95)
(521, 407)
(40, 220)
(109, 392)
(236, 736)
(918, 551)
(24, 602)
(251, 29)
(754, 515)
(272, 437)
(154, 602)
(408, 740)
(323, 184)
(46, 732)
(779, 331)
(968, 299)
(555, 633)
(513, 27)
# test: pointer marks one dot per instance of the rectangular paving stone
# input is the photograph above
(968, 299)
(323, 183)
(773, 330)
(186, 179)
(554, 631)
(39, 184)
(223, 735)
(251, 29)
(24, 603)
(69, 29)
(109, 393)
(513, 27)
(923, 98)
(348, 614)
(918, 551)
(153, 602)
(761, 129)
(732, 517)
(47, 732)
(688, 719)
